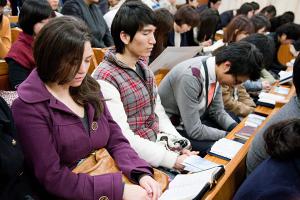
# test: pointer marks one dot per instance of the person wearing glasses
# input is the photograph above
(191, 92)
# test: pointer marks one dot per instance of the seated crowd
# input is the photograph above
(62, 114)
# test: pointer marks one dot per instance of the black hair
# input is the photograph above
(244, 9)
(32, 12)
(245, 59)
(296, 75)
(3, 3)
(186, 15)
(212, 1)
(209, 20)
(164, 24)
(291, 30)
(269, 11)
(265, 45)
(255, 5)
(283, 139)
(296, 45)
(259, 21)
(131, 17)
(282, 19)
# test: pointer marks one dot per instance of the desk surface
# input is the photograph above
(235, 169)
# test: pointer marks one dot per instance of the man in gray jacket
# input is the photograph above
(192, 96)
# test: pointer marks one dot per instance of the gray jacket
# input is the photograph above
(183, 93)
(257, 152)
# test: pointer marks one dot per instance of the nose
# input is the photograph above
(84, 67)
(152, 39)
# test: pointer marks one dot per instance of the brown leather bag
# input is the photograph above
(100, 162)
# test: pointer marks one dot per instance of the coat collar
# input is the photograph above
(33, 89)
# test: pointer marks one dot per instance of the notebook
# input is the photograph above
(285, 76)
(254, 120)
(225, 148)
(192, 186)
(245, 133)
(270, 103)
(197, 164)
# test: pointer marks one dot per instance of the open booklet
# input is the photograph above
(225, 148)
(171, 56)
(268, 99)
(197, 164)
(285, 76)
(192, 186)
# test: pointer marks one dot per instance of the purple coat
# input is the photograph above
(54, 139)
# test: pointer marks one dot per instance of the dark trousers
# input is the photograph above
(203, 146)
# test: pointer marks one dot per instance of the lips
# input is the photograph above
(79, 78)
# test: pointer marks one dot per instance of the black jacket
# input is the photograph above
(13, 183)
(93, 18)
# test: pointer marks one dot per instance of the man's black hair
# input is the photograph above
(245, 59)
(131, 17)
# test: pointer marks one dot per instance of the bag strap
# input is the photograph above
(206, 78)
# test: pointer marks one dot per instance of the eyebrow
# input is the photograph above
(89, 56)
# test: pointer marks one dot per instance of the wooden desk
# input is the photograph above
(265, 110)
(235, 169)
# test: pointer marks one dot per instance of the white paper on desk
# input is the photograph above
(285, 76)
(281, 90)
(226, 148)
(197, 164)
(187, 186)
(256, 116)
(274, 97)
(171, 56)
(213, 47)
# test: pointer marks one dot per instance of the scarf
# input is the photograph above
(21, 51)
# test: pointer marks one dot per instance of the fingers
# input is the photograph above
(156, 190)
(188, 152)
(148, 189)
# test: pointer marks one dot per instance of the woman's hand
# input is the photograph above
(134, 192)
(178, 165)
(151, 186)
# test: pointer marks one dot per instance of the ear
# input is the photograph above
(124, 37)
(226, 66)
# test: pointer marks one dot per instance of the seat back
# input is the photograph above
(284, 54)
(13, 19)
(4, 84)
(15, 34)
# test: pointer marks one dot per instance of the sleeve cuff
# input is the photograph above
(232, 126)
(169, 159)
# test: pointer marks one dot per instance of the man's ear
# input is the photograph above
(226, 66)
(124, 37)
